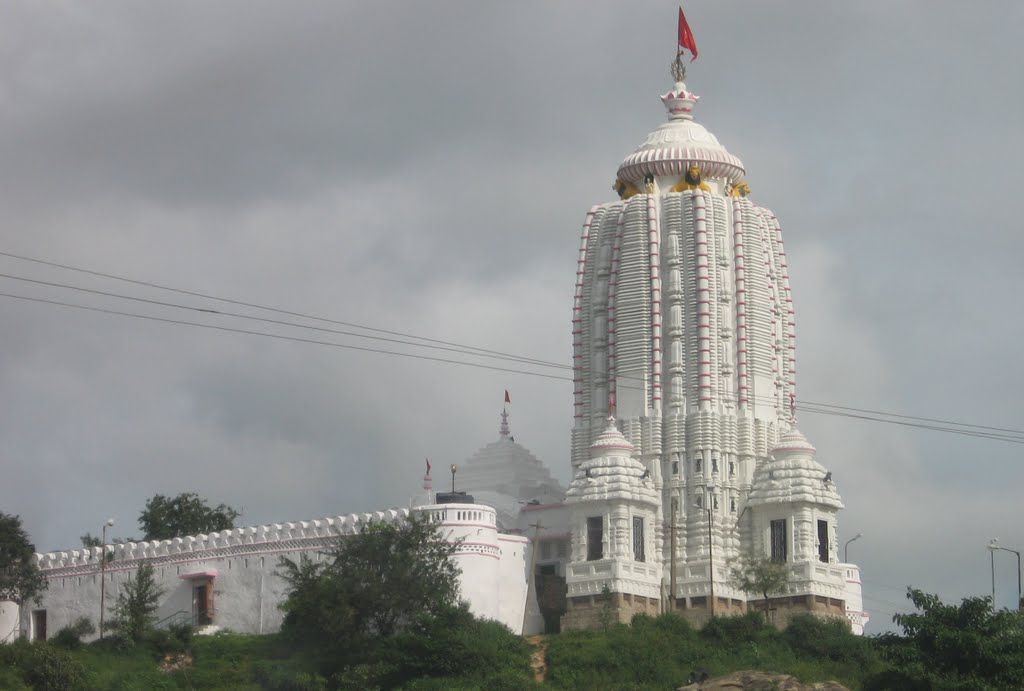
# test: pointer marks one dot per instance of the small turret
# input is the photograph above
(613, 515)
(793, 509)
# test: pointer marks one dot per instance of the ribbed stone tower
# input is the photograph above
(684, 330)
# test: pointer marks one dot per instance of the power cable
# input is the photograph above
(279, 322)
(281, 337)
(946, 426)
(243, 303)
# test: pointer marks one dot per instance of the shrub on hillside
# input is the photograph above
(453, 643)
(965, 646)
(170, 641)
(828, 638)
(70, 637)
(655, 651)
(730, 631)
(42, 666)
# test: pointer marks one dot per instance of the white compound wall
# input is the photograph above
(242, 569)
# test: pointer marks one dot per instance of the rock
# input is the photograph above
(761, 681)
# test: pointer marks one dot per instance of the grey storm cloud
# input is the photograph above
(424, 169)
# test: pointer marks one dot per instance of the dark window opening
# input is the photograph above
(823, 541)
(595, 538)
(638, 538)
(778, 540)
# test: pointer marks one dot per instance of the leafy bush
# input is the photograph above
(455, 644)
(70, 637)
(42, 667)
(747, 628)
(965, 646)
(170, 641)
(828, 638)
(654, 651)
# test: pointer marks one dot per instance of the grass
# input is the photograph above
(653, 653)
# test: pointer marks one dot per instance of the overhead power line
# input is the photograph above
(934, 424)
(282, 337)
(466, 350)
(242, 303)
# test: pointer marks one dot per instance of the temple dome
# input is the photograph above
(612, 472)
(671, 148)
(791, 474)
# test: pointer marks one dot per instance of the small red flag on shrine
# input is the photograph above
(507, 399)
(686, 36)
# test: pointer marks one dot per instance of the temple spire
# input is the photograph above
(504, 431)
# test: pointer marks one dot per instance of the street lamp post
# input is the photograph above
(103, 572)
(846, 547)
(709, 501)
(992, 563)
(993, 545)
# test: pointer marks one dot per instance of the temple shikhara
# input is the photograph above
(685, 456)
(685, 452)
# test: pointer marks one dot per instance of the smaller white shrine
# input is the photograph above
(793, 512)
(616, 534)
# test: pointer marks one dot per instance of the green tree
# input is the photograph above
(607, 615)
(133, 613)
(20, 579)
(374, 584)
(186, 514)
(760, 575)
(965, 646)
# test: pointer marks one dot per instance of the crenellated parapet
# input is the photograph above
(253, 540)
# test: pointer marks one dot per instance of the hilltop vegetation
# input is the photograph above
(964, 646)
(381, 612)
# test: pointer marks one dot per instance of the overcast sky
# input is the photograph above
(424, 168)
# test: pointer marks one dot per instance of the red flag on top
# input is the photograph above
(428, 465)
(686, 36)
(507, 399)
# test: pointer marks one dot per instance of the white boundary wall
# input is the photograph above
(242, 565)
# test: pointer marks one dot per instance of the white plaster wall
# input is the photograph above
(477, 555)
(513, 571)
(9, 621)
(854, 599)
(246, 591)
(493, 567)
(245, 563)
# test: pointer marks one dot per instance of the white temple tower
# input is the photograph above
(684, 329)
